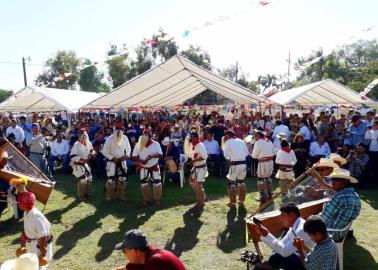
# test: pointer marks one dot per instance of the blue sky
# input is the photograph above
(259, 37)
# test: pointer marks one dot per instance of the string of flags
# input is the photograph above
(223, 18)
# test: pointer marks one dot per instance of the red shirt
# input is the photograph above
(158, 259)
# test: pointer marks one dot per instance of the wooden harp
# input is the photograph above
(307, 192)
(20, 166)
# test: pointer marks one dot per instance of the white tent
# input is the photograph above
(37, 99)
(327, 92)
(171, 83)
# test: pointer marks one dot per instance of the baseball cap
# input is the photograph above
(132, 239)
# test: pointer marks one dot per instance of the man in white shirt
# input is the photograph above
(285, 159)
(263, 151)
(146, 154)
(235, 150)
(305, 131)
(372, 135)
(37, 146)
(319, 149)
(81, 153)
(117, 151)
(16, 133)
(196, 153)
(213, 153)
(280, 128)
(285, 255)
(36, 230)
(59, 151)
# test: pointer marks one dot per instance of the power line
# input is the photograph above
(20, 63)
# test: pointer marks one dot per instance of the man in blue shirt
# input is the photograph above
(356, 131)
(344, 206)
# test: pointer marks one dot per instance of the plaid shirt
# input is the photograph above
(343, 207)
(322, 257)
(357, 165)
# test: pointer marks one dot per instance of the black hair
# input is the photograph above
(284, 143)
(315, 224)
(375, 122)
(361, 145)
(290, 208)
(355, 118)
(278, 122)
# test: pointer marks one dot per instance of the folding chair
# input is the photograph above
(340, 245)
(183, 160)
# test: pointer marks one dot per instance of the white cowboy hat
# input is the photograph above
(248, 139)
(326, 162)
(337, 157)
(281, 135)
(343, 174)
(165, 141)
(27, 261)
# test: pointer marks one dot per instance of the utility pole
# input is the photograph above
(24, 68)
(236, 72)
(288, 69)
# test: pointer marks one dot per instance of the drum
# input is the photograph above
(171, 165)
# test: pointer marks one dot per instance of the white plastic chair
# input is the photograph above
(183, 160)
(340, 245)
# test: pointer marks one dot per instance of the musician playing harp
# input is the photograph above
(116, 150)
(235, 150)
(263, 151)
(285, 255)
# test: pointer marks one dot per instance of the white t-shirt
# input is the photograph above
(112, 149)
(153, 149)
(262, 148)
(36, 224)
(198, 151)
(285, 158)
(235, 150)
(80, 150)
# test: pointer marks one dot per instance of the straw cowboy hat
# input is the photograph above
(343, 174)
(27, 261)
(326, 162)
(337, 157)
(281, 135)
(248, 139)
(165, 141)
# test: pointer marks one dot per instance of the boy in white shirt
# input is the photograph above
(285, 159)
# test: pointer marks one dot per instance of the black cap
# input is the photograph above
(132, 239)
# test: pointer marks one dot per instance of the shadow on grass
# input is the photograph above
(233, 237)
(185, 238)
(134, 217)
(357, 257)
(370, 196)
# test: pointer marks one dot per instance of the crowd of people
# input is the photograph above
(342, 149)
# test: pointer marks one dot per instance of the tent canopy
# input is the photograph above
(37, 99)
(321, 93)
(171, 83)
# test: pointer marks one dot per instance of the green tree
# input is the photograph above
(360, 53)
(198, 56)
(119, 70)
(61, 71)
(4, 94)
(163, 46)
(91, 79)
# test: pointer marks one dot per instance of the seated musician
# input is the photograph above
(317, 191)
(344, 206)
(284, 255)
(324, 254)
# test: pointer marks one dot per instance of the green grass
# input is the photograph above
(85, 232)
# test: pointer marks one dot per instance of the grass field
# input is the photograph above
(85, 232)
